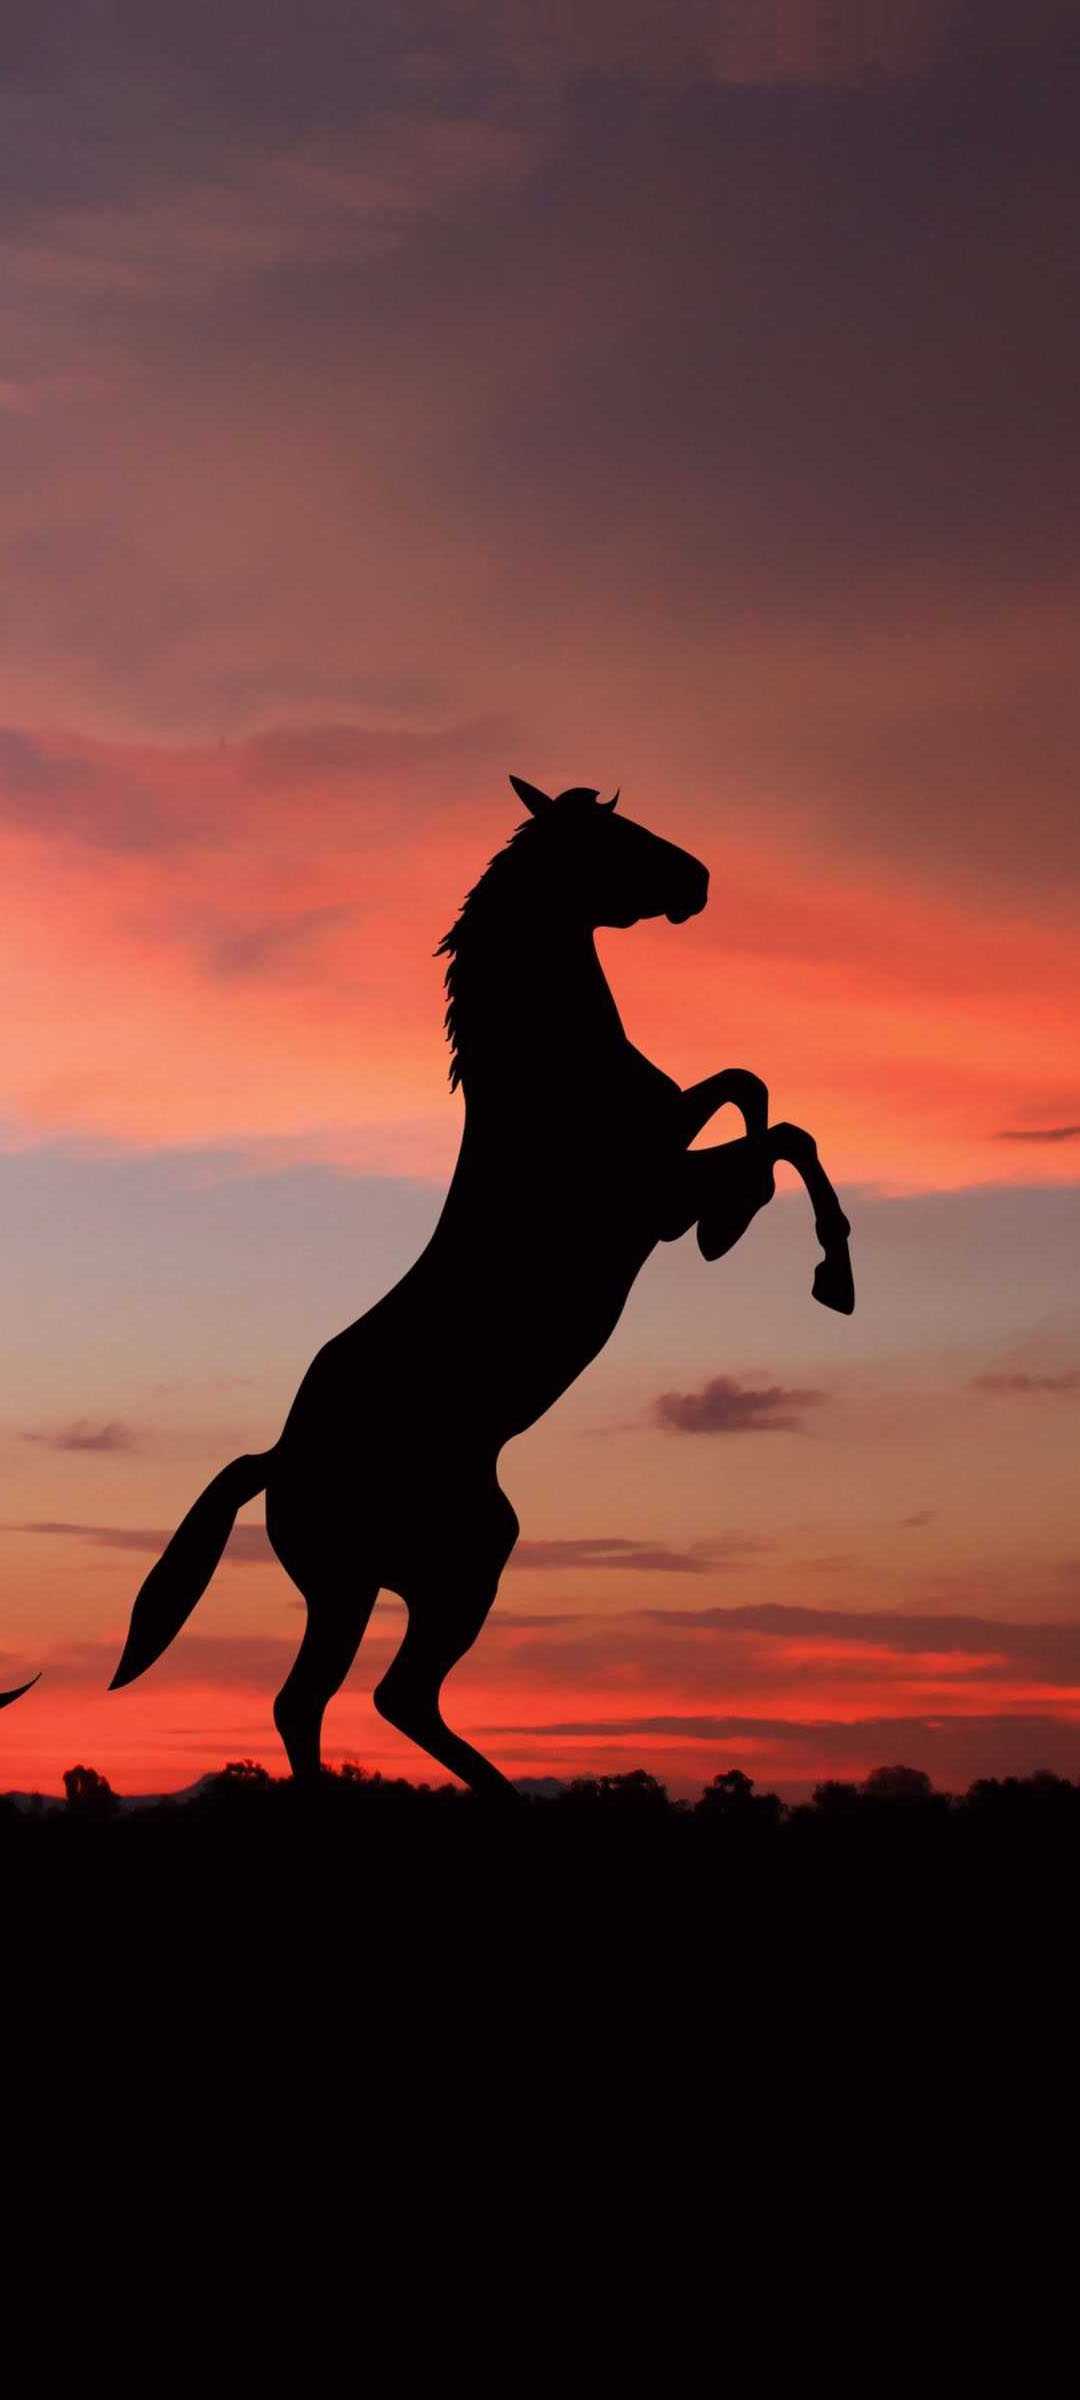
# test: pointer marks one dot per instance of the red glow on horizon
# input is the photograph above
(162, 1735)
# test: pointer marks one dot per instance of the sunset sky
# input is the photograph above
(665, 393)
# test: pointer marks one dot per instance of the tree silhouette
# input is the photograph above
(907, 1784)
(730, 1799)
(88, 1793)
(836, 1799)
(628, 1796)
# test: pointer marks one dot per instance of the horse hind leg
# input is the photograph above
(335, 1626)
(441, 1629)
(446, 1613)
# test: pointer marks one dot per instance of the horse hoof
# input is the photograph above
(719, 1228)
(834, 1284)
(714, 1240)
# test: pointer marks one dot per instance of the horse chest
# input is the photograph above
(630, 1130)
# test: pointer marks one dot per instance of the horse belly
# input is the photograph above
(475, 1344)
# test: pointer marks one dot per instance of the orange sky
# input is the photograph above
(270, 973)
(609, 397)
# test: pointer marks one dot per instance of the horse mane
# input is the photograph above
(470, 937)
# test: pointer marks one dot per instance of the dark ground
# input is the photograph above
(373, 1873)
(287, 2015)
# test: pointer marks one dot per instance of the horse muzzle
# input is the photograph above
(692, 899)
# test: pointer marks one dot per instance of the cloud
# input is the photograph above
(261, 212)
(1041, 1133)
(306, 753)
(725, 1405)
(954, 1751)
(53, 787)
(1010, 1384)
(247, 1545)
(173, 958)
(615, 1550)
(80, 790)
(27, 766)
(1055, 1644)
(245, 1662)
(139, 800)
(811, 1660)
(606, 1551)
(84, 1435)
(798, 1653)
(253, 949)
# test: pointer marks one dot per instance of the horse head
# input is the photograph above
(613, 870)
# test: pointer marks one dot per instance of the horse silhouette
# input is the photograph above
(574, 1163)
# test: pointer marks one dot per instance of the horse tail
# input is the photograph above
(6, 1698)
(180, 1576)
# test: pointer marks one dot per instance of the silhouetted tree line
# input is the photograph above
(892, 1804)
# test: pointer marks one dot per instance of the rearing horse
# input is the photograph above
(574, 1163)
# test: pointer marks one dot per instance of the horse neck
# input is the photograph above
(534, 1004)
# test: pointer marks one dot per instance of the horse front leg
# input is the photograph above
(722, 1189)
(731, 1180)
(834, 1284)
(734, 1086)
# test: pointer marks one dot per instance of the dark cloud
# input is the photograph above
(1042, 1133)
(85, 1435)
(1010, 1384)
(724, 1405)
(328, 63)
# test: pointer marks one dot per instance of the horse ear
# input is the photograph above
(535, 801)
